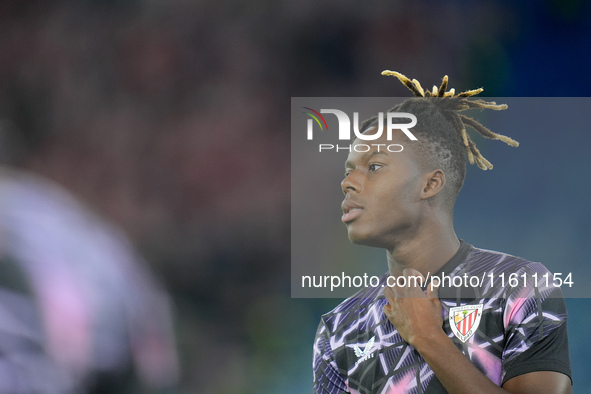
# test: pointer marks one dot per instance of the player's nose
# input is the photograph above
(352, 182)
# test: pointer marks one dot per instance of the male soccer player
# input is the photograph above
(440, 320)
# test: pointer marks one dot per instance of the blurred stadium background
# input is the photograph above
(171, 119)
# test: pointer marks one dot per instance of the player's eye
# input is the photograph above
(374, 167)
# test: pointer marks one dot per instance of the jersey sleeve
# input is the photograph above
(25, 365)
(327, 379)
(535, 326)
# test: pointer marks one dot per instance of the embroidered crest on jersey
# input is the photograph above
(464, 320)
(367, 351)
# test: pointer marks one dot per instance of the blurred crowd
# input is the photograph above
(171, 119)
(167, 119)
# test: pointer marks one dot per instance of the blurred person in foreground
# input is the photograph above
(79, 310)
(413, 332)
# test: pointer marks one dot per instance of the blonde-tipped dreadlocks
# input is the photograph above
(455, 103)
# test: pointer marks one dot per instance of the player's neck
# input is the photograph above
(426, 252)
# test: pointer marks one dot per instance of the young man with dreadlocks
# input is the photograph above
(411, 339)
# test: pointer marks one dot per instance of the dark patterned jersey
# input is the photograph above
(507, 316)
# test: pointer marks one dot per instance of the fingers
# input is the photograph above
(387, 310)
(433, 292)
(389, 293)
(411, 272)
(408, 285)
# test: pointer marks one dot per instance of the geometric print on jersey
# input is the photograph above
(513, 320)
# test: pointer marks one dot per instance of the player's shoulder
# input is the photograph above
(487, 260)
(504, 275)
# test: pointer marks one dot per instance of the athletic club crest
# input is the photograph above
(464, 320)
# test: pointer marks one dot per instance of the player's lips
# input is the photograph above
(351, 210)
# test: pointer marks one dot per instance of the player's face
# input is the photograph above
(382, 190)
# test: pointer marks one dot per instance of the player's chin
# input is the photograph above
(358, 236)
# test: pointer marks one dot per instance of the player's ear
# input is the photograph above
(433, 184)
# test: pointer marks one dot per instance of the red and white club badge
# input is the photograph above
(464, 320)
